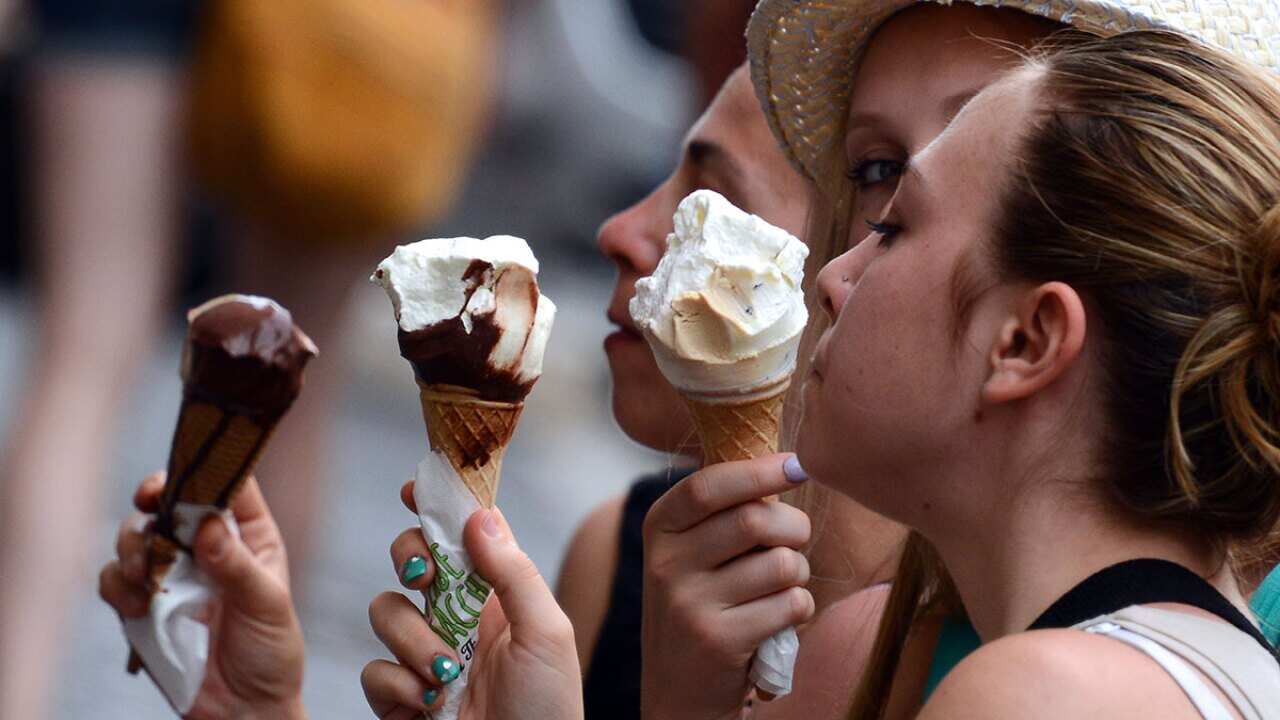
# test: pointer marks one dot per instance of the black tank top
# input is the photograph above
(611, 689)
(1141, 582)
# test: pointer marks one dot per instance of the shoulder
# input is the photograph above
(586, 577)
(1056, 675)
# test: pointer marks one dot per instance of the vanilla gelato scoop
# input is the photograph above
(724, 310)
(470, 313)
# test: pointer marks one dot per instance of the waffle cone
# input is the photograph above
(471, 433)
(738, 427)
(214, 450)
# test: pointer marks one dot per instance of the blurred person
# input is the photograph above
(707, 34)
(104, 91)
(328, 129)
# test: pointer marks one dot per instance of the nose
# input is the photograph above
(635, 238)
(838, 278)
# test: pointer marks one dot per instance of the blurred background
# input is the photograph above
(156, 153)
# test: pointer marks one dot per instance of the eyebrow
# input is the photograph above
(707, 153)
(711, 158)
(954, 104)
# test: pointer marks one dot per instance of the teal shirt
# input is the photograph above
(955, 642)
(1266, 606)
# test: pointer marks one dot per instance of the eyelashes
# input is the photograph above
(887, 232)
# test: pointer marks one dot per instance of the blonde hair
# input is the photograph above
(1149, 181)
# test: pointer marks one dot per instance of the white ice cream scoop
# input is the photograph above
(470, 312)
(724, 310)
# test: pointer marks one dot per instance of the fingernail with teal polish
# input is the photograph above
(413, 568)
(445, 669)
(791, 468)
(429, 697)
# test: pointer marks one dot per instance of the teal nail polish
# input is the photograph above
(429, 697)
(414, 568)
(445, 669)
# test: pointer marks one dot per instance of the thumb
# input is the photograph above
(526, 600)
(243, 583)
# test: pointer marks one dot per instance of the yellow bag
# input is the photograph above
(340, 120)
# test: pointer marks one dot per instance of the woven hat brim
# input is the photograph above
(803, 53)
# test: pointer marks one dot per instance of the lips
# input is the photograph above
(818, 361)
(624, 323)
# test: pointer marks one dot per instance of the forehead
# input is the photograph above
(933, 55)
(735, 121)
(974, 153)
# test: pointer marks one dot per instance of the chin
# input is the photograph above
(645, 405)
(652, 414)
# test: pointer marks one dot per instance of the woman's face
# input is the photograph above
(919, 69)
(891, 404)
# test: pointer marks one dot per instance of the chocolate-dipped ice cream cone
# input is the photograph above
(242, 367)
(474, 326)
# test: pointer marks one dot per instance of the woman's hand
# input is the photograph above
(722, 573)
(255, 643)
(525, 663)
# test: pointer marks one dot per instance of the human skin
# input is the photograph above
(525, 664)
(1005, 398)
(104, 189)
(255, 643)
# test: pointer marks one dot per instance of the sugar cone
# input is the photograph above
(214, 450)
(738, 427)
(472, 433)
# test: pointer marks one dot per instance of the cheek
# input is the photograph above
(887, 377)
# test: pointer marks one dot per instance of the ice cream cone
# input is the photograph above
(738, 427)
(472, 433)
(242, 366)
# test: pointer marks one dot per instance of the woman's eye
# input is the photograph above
(886, 231)
(874, 172)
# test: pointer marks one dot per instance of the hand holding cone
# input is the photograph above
(723, 313)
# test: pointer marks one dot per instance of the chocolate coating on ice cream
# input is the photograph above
(245, 353)
(447, 353)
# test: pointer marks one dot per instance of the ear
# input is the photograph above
(1036, 345)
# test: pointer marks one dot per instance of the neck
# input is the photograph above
(1037, 548)
(852, 548)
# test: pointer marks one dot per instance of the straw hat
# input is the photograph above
(804, 52)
